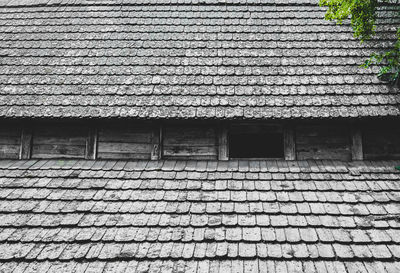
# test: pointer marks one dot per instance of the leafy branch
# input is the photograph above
(363, 15)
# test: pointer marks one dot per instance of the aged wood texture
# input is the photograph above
(59, 141)
(156, 142)
(190, 142)
(26, 144)
(10, 142)
(91, 144)
(125, 142)
(223, 144)
(356, 145)
(323, 142)
(289, 143)
(381, 142)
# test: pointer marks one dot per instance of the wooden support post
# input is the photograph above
(91, 144)
(156, 143)
(26, 144)
(289, 143)
(356, 145)
(223, 145)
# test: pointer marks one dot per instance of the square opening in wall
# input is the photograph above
(256, 142)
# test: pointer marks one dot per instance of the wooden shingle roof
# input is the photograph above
(178, 216)
(186, 59)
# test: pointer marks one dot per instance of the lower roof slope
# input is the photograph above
(168, 216)
(192, 59)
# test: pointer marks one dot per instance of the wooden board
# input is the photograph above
(10, 142)
(190, 142)
(128, 142)
(59, 141)
(323, 142)
(381, 142)
(25, 151)
(289, 143)
(223, 142)
(356, 144)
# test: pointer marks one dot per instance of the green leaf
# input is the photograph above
(362, 15)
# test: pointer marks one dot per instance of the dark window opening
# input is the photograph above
(258, 145)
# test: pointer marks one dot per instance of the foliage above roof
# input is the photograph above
(196, 59)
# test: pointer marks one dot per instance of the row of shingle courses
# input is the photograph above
(204, 266)
(77, 19)
(264, 215)
(160, 12)
(232, 101)
(186, 60)
(179, 57)
(80, 45)
(182, 70)
(193, 251)
(155, 35)
(252, 80)
(166, 33)
(360, 242)
(50, 28)
(220, 113)
(176, 28)
(195, 90)
(361, 198)
(82, 230)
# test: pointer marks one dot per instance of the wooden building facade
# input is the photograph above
(195, 136)
(201, 140)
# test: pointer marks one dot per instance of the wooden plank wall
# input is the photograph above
(195, 141)
(319, 141)
(381, 142)
(10, 142)
(59, 141)
(128, 142)
(190, 142)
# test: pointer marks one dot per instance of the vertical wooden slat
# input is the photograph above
(356, 147)
(26, 144)
(156, 143)
(223, 145)
(91, 144)
(289, 143)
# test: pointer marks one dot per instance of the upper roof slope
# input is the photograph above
(186, 59)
